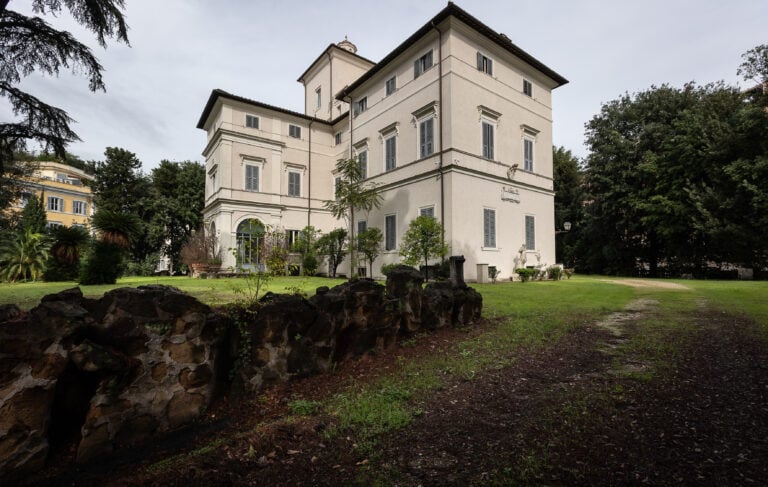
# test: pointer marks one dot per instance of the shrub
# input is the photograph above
(555, 272)
(526, 274)
(310, 264)
(386, 268)
(102, 265)
(569, 272)
(144, 268)
(493, 273)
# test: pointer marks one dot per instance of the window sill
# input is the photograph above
(490, 249)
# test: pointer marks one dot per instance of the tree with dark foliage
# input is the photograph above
(29, 44)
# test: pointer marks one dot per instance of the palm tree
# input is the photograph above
(116, 231)
(117, 228)
(23, 256)
(67, 243)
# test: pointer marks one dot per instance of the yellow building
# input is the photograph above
(65, 191)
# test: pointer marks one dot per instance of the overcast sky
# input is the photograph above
(182, 49)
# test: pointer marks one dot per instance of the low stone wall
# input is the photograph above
(100, 373)
(103, 372)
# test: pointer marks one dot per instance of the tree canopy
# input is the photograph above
(676, 178)
(423, 241)
(29, 44)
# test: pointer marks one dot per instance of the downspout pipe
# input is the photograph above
(309, 175)
(352, 246)
(440, 124)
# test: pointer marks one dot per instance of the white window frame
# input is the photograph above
(529, 164)
(527, 83)
(387, 247)
(530, 238)
(259, 166)
(298, 176)
(484, 63)
(294, 131)
(58, 207)
(427, 210)
(420, 124)
(318, 97)
(492, 124)
(392, 136)
(489, 242)
(76, 203)
(388, 90)
(337, 138)
(249, 121)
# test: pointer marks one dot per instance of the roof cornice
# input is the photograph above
(217, 93)
(452, 10)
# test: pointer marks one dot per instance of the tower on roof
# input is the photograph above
(347, 46)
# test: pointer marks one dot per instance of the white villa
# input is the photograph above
(455, 122)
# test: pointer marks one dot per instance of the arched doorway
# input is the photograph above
(249, 235)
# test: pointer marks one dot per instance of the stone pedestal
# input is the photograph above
(457, 270)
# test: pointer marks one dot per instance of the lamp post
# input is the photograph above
(566, 228)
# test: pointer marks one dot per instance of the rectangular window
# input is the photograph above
(79, 207)
(426, 137)
(252, 121)
(390, 153)
(294, 131)
(337, 138)
(318, 98)
(251, 177)
(530, 232)
(527, 88)
(390, 228)
(489, 228)
(362, 226)
(422, 64)
(336, 186)
(487, 140)
(294, 184)
(55, 204)
(484, 64)
(24, 199)
(291, 238)
(361, 105)
(528, 154)
(362, 158)
(391, 85)
(428, 211)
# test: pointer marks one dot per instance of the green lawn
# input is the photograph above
(211, 291)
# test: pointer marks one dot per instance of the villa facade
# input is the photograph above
(65, 191)
(456, 122)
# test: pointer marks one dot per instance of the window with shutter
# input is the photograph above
(251, 177)
(489, 228)
(362, 158)
(252, 121)
(527, 88)
(390, 238)
(390, 153)
(528, 154)
(428, 211)
(426, 138)
(294, 131)
(422, 64)
(484, 64)
(530, 232)
(294, 184)
(487, 140)
(391, 85)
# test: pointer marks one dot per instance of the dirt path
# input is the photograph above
(616, 403)
(648, 283)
